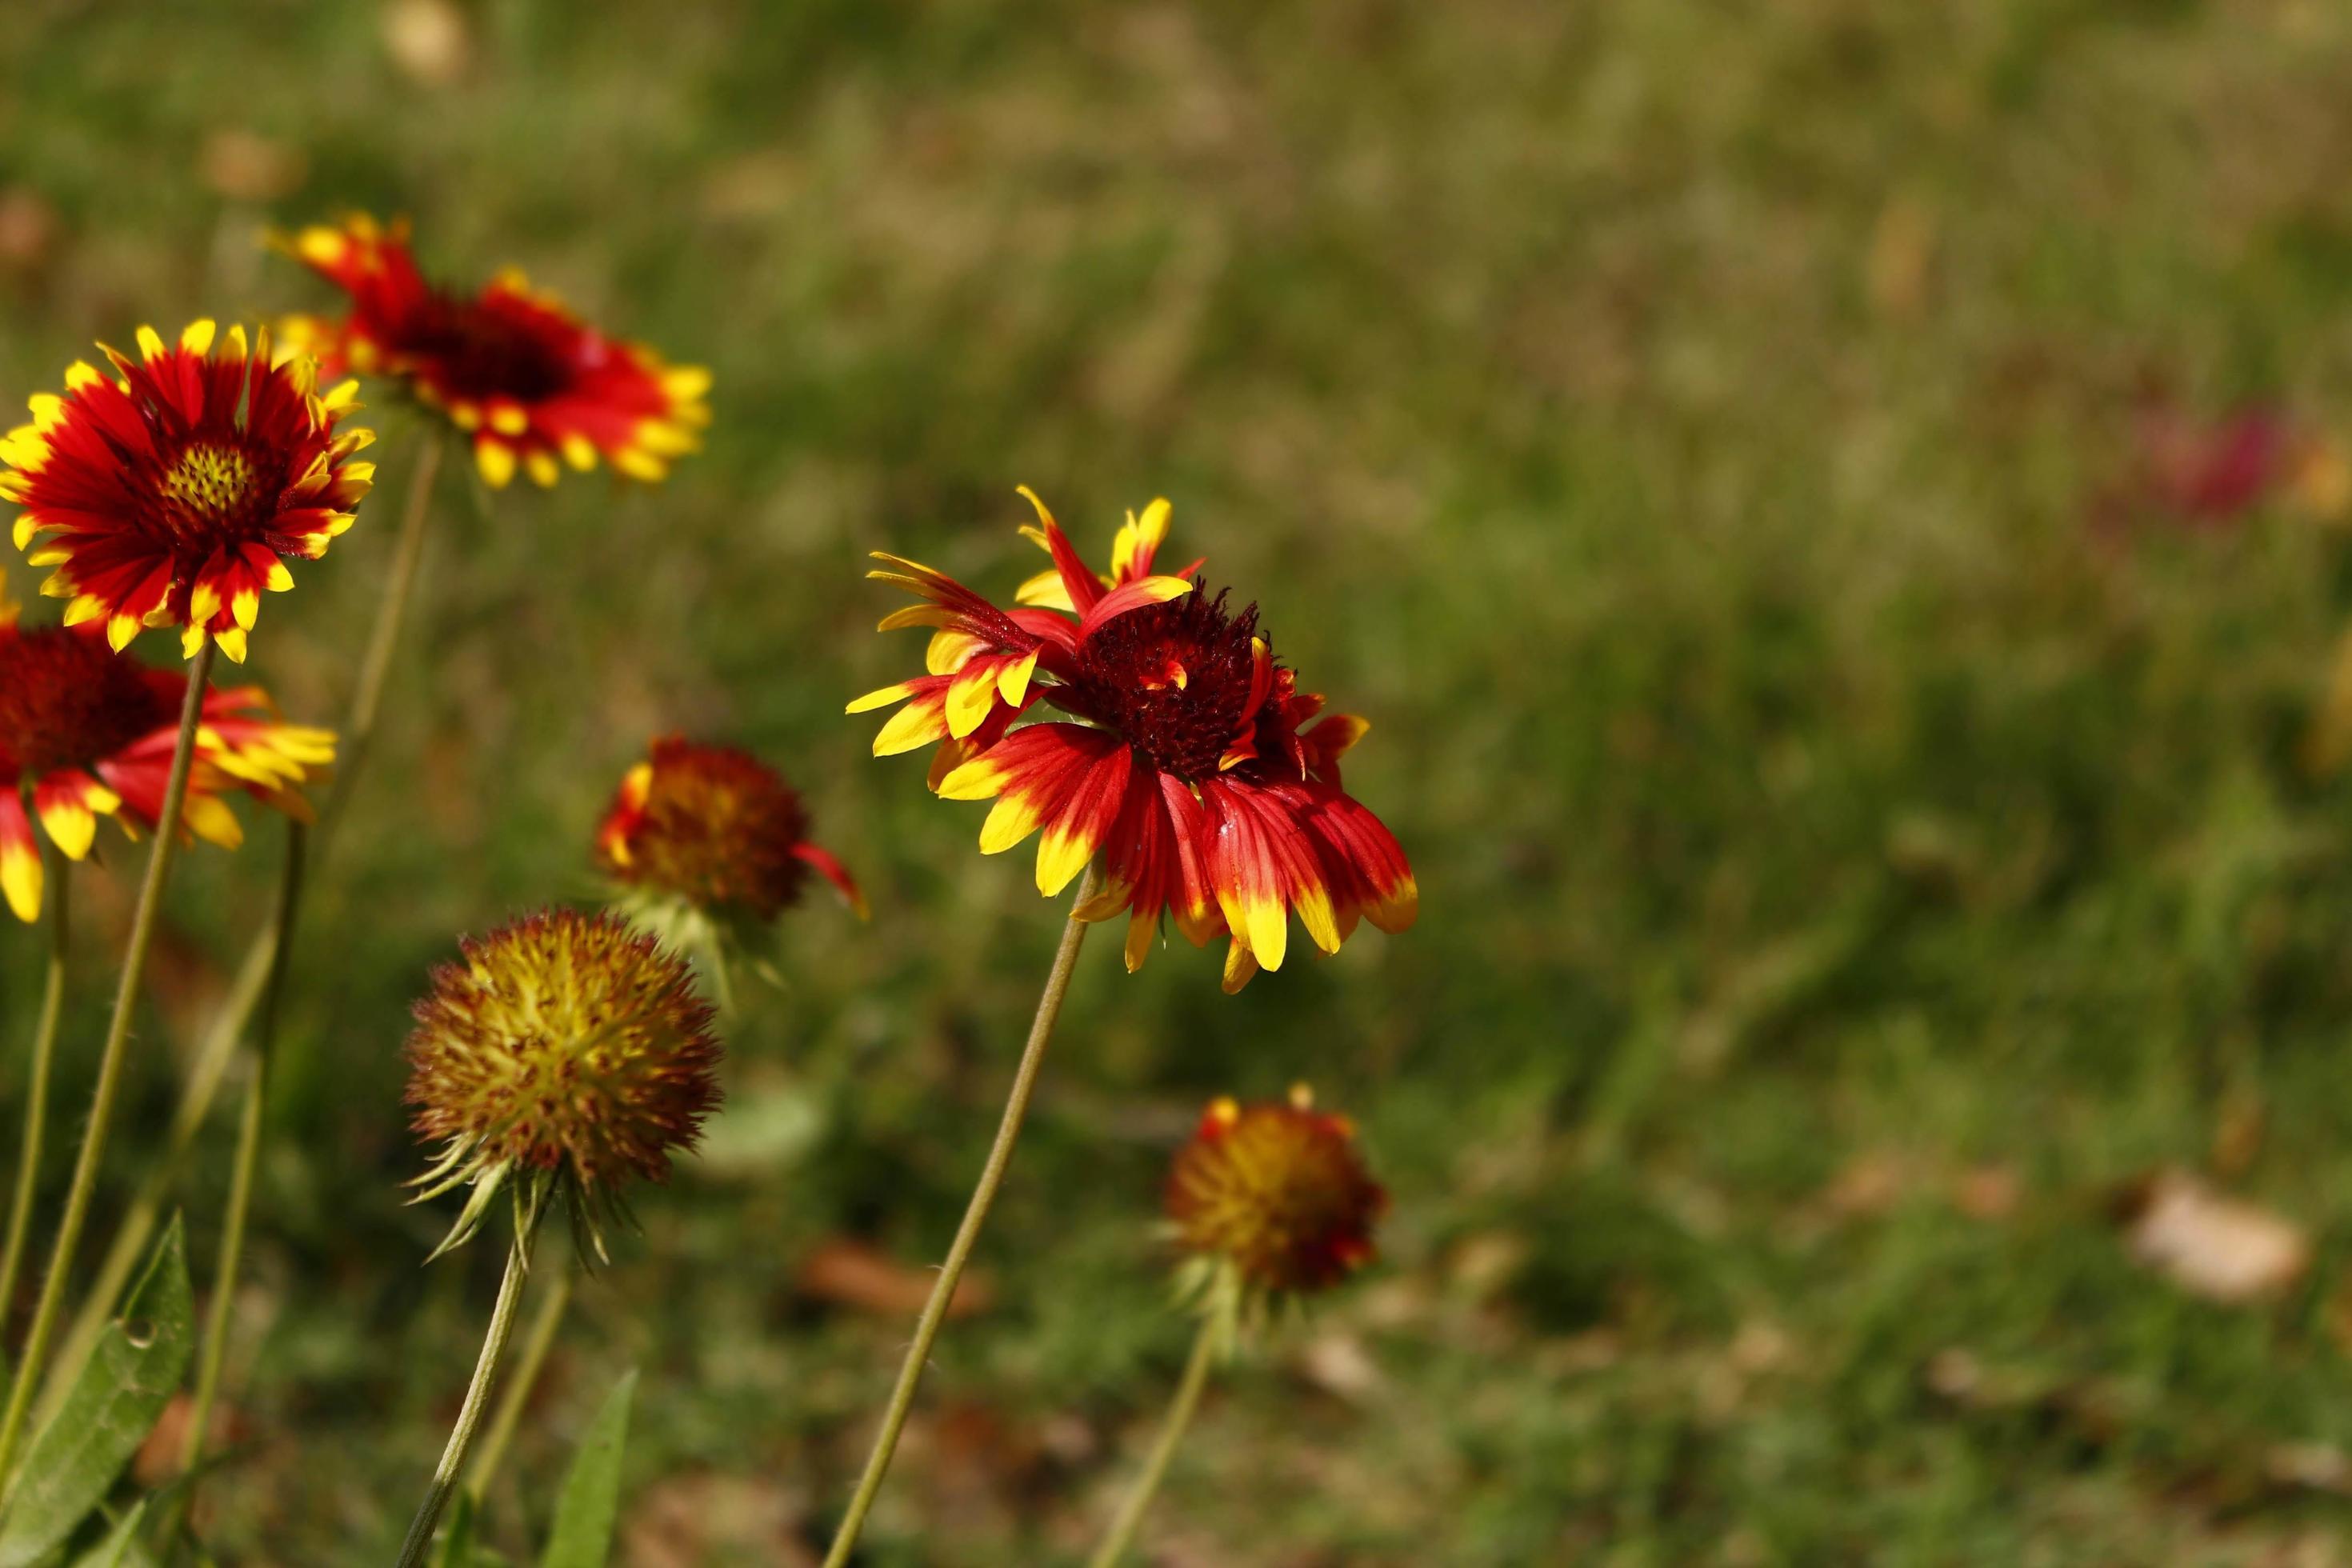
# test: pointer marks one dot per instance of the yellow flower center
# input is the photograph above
(210, 480)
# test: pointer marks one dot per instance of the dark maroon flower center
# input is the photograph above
(216, 489)
(1173, 678)
(66, 701)
(482, 352)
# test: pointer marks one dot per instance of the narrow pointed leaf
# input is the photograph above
(456, 1549)
(120, 1548)
(582, 1533)
(130, 1375)
(119, 1545)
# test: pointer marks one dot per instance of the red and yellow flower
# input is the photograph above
(1208, 783)
(87, 732)
(173, 492)
(533, 384)
(1279, 1191)
(716, 829)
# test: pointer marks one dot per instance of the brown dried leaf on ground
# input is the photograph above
(846, 1272)
(2310, 1467)
(1870, 1185)
(2240, 1125)
(1987, 1192)
(1338, 1363)
(691, 1521)
(158, 1460)
(2213, 1246)
(1896, 268)
(428, 40)
(28, 230)
(247, 167)
(2329, 742)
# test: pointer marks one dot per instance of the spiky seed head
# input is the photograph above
(566, 1048)
(1279, 1191)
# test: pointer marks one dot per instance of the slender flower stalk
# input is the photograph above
(164, 850)
(383, 637)
(145, 1210)
(419, 1541)
(564, 1055)
(1171, 1433)
(1191, 780)
(535, 1346)
(983, 1197)
(37, 1088)
(203, 1080)
(241, 1174)
(1271, 1204)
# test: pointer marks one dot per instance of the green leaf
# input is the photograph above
(117, 1551)
(582, 1533)
(130, 1375)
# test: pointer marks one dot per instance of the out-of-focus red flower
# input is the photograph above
(2208, 474)
(533, 384)
(87, 732)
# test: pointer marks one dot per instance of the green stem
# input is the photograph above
(143, 922)
(975, 1215)
(535, 1346)
(384, 638)
(249, 1156)
(1171, 1433)
(203, 1080)
(37, 1090)
(478, 1394)
(139, 1220)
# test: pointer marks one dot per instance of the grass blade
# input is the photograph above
(118, 1549)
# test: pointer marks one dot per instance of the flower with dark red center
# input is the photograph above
(716, 829)
(1196, 768)
(564, 1047)
(87, 732)
(1279, 1191)
(173, 493)
(531, 384)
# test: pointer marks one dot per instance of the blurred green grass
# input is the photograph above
(1672, 423)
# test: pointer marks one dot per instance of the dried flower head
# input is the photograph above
(1277, 1191)
(566, 1048)
(173, 492)
(531, 384)
(716, 829)
(1190, 763)
(87, 732)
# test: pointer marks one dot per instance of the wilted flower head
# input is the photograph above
(89, 732)
(173, 492)
(1197, 771)
(1277, 1191)
(563, 1049)
(716, 829)
(531, 384)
